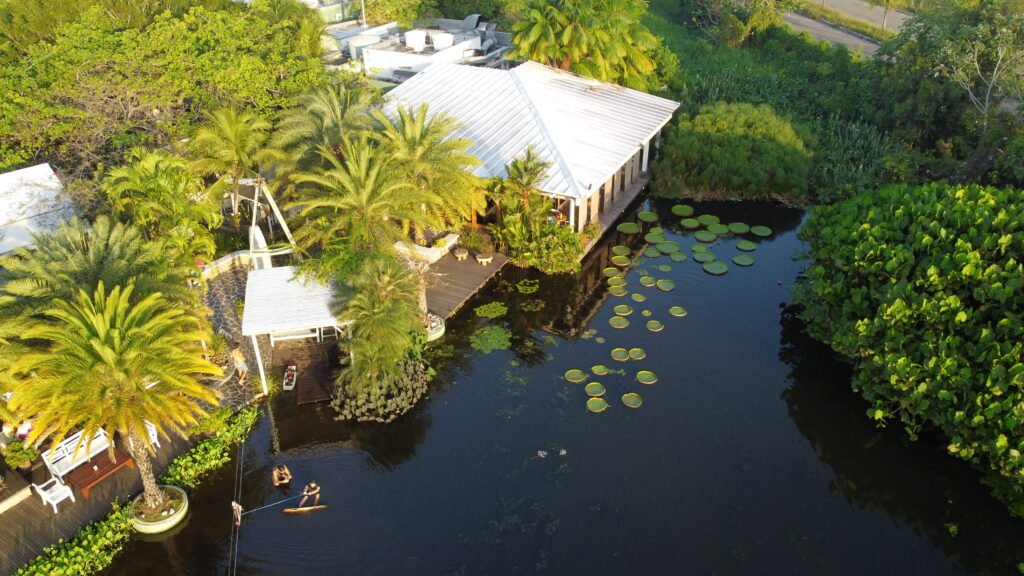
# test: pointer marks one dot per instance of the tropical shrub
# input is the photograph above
(734, 150)
(849, 157)
(922, 289)
(475, 241)
(18, 454)
(92, 549)
(189, 469)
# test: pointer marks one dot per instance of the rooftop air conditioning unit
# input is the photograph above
(416, 40)
(442, 40)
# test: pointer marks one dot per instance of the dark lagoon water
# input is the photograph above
(750, 455)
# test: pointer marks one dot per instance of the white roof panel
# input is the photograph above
(30, 202)
(278, 301)
(584, 128)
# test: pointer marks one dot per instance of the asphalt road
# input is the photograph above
(823, 31)
(865, 11)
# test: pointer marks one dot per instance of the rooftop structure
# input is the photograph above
(30, 202)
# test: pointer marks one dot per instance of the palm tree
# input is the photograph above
(162, 195)
(524, 176)
(360, 199)
(434, 161)
(116, 365)
(232, 146)
(321, 119)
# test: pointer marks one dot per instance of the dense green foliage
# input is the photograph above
(736, 150)
(189, 469)
(922, 288)
(19, 453)
(93, 548)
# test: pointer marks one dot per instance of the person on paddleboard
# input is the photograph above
(281, 476)
(311, 489)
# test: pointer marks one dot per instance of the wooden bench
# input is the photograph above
(100, 468)
(73, 452)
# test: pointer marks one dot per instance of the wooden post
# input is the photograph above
(259, 364)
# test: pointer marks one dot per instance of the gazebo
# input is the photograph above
(282, 305)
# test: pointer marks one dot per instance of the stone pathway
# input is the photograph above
(222, 293)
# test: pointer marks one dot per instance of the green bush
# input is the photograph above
(189, 469)
(734, 150)
(18, 454)
(92, 549)
(922, 289)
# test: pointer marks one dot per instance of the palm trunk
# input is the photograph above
(152, 495)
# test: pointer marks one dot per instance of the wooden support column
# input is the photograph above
(647, 154)
(595, 207)
(259, 364)
(572, 214)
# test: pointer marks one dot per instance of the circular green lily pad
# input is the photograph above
(611, 271)
(597, 405)
(616, 281)
(716, 268)
(738, 228)
(654, 237)
(632, 400)
(746, 245)
(655, 326)
(668, 247)
(647, 217)
(620, 260)
(623, 310)
(599, 370)
(621, 250)
(718, 229)
(648, 281)
(689, 223)
(677, 311)
(762, 231)
(575, 375)
(594, 389)
(704, 257)
(618, 291)
(637, 354)
(682, 210)
(641, 271)
(628, 228)
(656, 230)
(664, 268)
(678, 256)
(620, 354)
(651, 252)
(645, 313)
(698, 248)
(618, 322)
(705, 235)
(666, 285)
(646, 377)
(743, 260)
(637, 297)
(707, 219)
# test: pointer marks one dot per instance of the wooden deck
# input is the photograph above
(610, 216)
(29, 526)
(454, 282)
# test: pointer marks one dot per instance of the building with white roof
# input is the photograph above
(597, 137)
(30, 202)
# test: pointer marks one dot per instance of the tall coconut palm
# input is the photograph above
(116, 365)
(434, 161)
(360, 199)
(162, 195)
(232, 145)
(321, 119)
(524, 176)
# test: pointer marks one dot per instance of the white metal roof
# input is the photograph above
(278, 301)
(586, 129)
(30, 202)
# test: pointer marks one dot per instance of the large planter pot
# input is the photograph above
(163, 524)
(435, 327)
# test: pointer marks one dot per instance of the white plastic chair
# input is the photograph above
(154, 436)
(53, 492)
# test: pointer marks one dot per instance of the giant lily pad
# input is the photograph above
(707, 219)
(654, 237)
(621, 250)
(623, 310)
(620, 260)
(664, 268)
(677, 311)
(632, 400)
(705, 235)
(645, 313)
(668, 247)
(666, 285)
(648, 281)
(682, 210)
(743, 260)
(678, 256)
(689, 223)
(738, 228)
(618, 291)
(618, 322)
(628, 228)
(620, 354)
(762, 231)
(637, 297)
(594, 389)
(646, 377)
(617, 281)
(637, 354)
(656, 230)
(718, 229)
(746, 246)
(611, 271)
(575, 376)
(599, 370)
(655, 326)
(703, 257)
(597, 405)
(651, 252)
(647, 217)
(698, 248)
(716, 268)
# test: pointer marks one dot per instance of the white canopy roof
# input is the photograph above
(30, 202)
(278, 301)
(586, 129)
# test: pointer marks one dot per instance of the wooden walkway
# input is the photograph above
(30, 526)
(454, 282)
(610, 216)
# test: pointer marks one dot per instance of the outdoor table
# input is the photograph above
(96, 470)
(460, 254)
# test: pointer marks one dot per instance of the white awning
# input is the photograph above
(30, 203)
(276, 301)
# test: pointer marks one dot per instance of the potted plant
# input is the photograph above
(18, 454)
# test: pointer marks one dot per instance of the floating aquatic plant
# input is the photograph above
(616, 281)
(599, 370)
(491, 310)
(647, 217)
(666, 285)
(718, 229)
(597, 405)
(528, 286)
(620, 354)
(746, 245)
(628, 228)
(637, 354)
(716, 268)
(682, 210)
(620, 260)
(654, 237)
(651, 252)
(646, 377)
(677, 311)
(618, 322)
(689, 223)
(575, 375)
(655, 326)
(664, 268)
(705, 235)
(707, 219)
(698, 248)
(738, 228)
(623, 310)
(761, 231)
(611, 271)
(618, 291)
(743, 260)
(645, 313)
(632, 400)
(678, 256)
(490, 338)
(621, 250)
(594, 389)
(637, 297)
(648, 281)
(703, 257)
(667, 247)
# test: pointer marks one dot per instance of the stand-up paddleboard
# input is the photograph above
(304, 509)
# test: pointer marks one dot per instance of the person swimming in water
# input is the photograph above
(281, 476)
